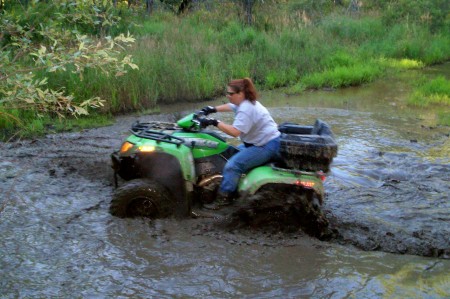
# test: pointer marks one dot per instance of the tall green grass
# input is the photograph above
(17, 124)
(191, 58)
(434, 92)
(354, 30)
(343, 76)
(412, 42)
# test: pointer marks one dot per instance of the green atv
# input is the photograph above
(173, 169)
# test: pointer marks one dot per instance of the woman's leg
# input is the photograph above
(247, 159)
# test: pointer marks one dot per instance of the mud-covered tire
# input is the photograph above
(142, 198)
(283, 208)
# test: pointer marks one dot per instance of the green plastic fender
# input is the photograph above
(181, 152)
(188, 122)
(202, 144)
(266, 174)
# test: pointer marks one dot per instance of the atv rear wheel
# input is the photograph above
(142, 198)
(283, 208)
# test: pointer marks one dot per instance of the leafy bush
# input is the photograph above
(36, 44)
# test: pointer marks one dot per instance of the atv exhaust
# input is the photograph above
(208, 180)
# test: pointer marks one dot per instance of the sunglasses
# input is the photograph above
(230, 93)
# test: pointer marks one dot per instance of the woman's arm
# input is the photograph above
(228, 129)
(224, 108)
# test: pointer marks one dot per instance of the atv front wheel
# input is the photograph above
(142, 198)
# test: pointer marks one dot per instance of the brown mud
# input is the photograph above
(70, 174)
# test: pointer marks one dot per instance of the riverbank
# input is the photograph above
(414, 97)
(190, 58)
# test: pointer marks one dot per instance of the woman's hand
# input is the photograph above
(204, 122)
(208, 110)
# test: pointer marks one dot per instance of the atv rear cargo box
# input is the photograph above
(310, 148)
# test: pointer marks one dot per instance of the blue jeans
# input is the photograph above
(246, 159)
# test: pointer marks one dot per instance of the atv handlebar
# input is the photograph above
(193, 121)
(199, 115)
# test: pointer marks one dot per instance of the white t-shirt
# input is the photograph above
(255, 123)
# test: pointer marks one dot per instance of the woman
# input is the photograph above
(254, 126)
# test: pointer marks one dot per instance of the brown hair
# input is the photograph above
(245, 85)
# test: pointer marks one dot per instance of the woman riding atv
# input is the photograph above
(254, 125)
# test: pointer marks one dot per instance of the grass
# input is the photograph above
(443, 118)
(35, 127)
(191, 58)
(343, 76)
(432, 93)
(401, 64)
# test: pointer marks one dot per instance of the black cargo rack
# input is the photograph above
(309, 148)
(143, 130)
(155, 125)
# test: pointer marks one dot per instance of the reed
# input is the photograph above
(18, 124)
(343, 76)
(191, 58)
(431, 92)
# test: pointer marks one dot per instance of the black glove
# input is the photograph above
(208, 110)
(204, 122)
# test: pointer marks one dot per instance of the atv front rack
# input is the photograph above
(147, 130)
(155, 125)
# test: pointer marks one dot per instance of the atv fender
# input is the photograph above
(166, 170)
(268, 174)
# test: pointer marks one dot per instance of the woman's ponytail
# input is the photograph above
(250, 90)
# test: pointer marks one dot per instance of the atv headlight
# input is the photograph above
(126, 146)
(306, 184)
(146, 148)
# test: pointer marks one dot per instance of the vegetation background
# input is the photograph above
(61, 59)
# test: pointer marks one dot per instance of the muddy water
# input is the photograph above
(387, 197)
